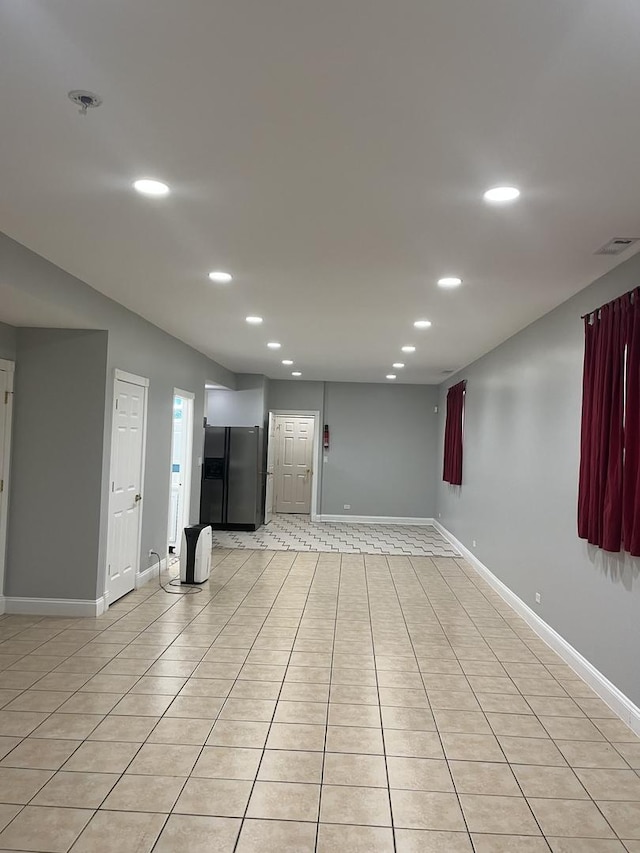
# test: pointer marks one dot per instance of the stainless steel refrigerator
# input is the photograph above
(232, 492)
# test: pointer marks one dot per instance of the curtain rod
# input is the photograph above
(630, 293)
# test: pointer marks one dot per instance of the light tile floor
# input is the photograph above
(307, 702)
(293, 532)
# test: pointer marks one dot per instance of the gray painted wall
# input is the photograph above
(7, 342)
(242, 407)
(520, 479)
(138, 347)
(56, 463)
(382, 458)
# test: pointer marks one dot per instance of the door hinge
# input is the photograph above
(116, 404)
(1, 486)
(112, 486)
(6, 397)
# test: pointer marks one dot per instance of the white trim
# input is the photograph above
(55, 606)
(146, 575)
(628, 712)
(375, 519)
(131, 377)
(142, 382)
(6, 411)
(317, 452)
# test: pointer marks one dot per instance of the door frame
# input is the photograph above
(6, 411)
(142, 382)
(316, 479)
(187, 395)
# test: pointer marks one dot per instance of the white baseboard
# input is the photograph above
(55, 606)
(620, 704)
(375, 519)
(152, 572)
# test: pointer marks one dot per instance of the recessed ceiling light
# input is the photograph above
(147, 186)
(449, 281)
(408, 348)
(296, 373)
(274, 345)
(422, 324)
(398, 365)
(502, 194)
(287, 361)
(391, 376)
(220, 277)
(254, 321)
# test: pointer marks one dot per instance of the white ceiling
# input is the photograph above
(331, 155)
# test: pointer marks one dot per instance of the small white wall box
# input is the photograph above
(195, 554)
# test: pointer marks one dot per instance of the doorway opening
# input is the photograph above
(128, 442)
(293, 457)
(6, 403)
(180, 468)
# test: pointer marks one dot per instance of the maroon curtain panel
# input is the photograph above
(452, 466)
(609, 484)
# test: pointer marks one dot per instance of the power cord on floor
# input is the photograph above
(185, 589)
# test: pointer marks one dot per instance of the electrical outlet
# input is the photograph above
(151, 552)
(538, 599)
(474, 543)
(347, 506)
(439, 515)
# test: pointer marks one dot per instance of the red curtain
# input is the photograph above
(609, 486)
(452, 468)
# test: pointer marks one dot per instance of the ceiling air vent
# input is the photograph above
(617, 246)
(447, 372)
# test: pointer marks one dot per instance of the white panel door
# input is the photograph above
(271, 457)
(6, 386)
(125, 508)
(294, 463)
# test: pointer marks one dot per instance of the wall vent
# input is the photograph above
(617, 246)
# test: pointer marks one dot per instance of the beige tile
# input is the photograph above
(529, 750)
(623, 817)
(38, 700)
(412, 719)
(413, 744)
(419, 774)
(145, 793)
(453, 700)
(222, 797)
(549, 782)
(18, 785)
(517, 725)
(45, 829)
(469, 747)
(355, 770)
(41, 753)
(163, 685)
(126, 728)
(238, 733)
(367, 716)
(337, 838)
(196, 707)
(509, 844)
(178, 730)
(142, 705)
(426, 810)
(355, 805)
(102, 757)
(464, 722)
(109, 683)
(284, 801)
(550, 706)
(431, 841)
(276, 836)
(301, 712)
(260, 710)
(503, 704)
(498, 814)
(630, 752)
(573, 818)
(90, 703)
(78, 790)
(221, 762)
(479, 777)
(571, 728)
(163, 759)
(7, 814)
(299, 691)
(591, 754)
(616, 730)
(113, 832)
(281, 765)
(296, 736)
(20, 723)
(587, 845)
(198, 834)
(610, 784)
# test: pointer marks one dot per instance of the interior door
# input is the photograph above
(294, 463)
(5, 426)
(125, 508)
(271, 456)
